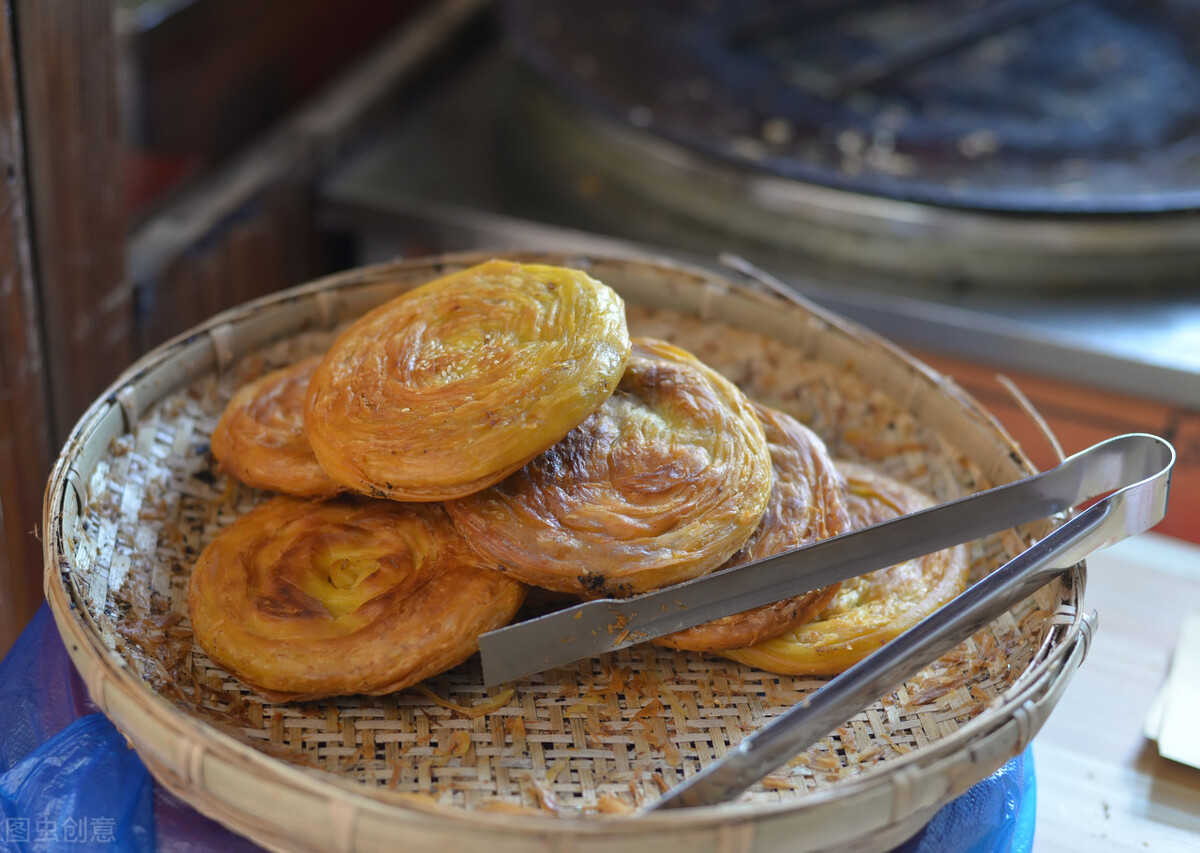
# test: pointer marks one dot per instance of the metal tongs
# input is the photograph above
(1132, 470)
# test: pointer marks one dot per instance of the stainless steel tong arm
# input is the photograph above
(606, 624)
(1138, 466)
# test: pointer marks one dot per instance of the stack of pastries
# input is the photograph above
(497, 430)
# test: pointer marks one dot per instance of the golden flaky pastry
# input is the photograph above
(807, 503)
(303, 599)
(452, 386)
(867, 611)
(260, 437)
(663, 483)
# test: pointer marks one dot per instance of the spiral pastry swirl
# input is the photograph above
(663, 483)
(807, 503)
(260, 438)
(870, 610)
(303, 599)
(452, 386)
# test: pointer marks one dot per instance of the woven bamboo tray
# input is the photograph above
(562, 760)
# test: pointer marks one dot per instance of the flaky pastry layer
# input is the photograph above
(304, 599)
(260, 438)
(807, 503)
(452, 386)
(664, 482)
(870, 610)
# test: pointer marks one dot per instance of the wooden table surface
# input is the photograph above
(1101, 785)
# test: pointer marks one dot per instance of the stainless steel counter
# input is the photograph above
(440, 179)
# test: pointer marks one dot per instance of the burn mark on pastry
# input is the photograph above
(591, 582)
(281, 597)
(655, 374)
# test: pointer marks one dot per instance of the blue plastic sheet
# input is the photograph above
(68, 779)
(70, 782)
(82, 788)
(998, 814)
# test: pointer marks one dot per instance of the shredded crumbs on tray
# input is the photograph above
(598, 738)
(457, 746)
(485, 707)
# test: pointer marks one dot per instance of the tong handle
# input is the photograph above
(1133, 509)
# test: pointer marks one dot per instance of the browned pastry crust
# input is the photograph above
(663, 483)
(452, 386)
(807, 503)
(260, 437)
(867, 611)
(302, 600)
